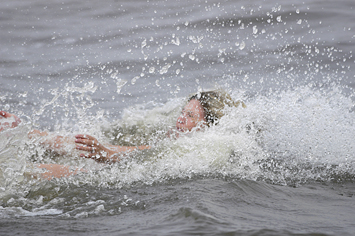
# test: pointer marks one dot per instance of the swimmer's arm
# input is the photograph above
(54, 143)
(8, 120)
(97, 151)
(100, 153)
(56, 171)
(126, 149)
(116, 151)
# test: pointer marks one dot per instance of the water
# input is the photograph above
(121, 70)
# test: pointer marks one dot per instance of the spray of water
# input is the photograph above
(287, 137)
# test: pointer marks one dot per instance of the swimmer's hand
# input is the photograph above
(95, 150)
(173, 134)
(8, 120)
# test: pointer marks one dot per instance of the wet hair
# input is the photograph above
(213, 103)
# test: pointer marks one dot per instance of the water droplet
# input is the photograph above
(134, 80)
(242, 45)
(176, 41)
(255, 30)
(151, 69)
(164, 69)
(144, 43)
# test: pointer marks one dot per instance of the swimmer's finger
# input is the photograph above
(82, 141)
(3, 114)
(81, 136)
(89, 142)
(6, 114)
(85, 148)
(16, 122)
(88, 156)
(94, 156)
(84, 136)
(5, 124)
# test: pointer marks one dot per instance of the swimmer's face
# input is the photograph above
(191, 116)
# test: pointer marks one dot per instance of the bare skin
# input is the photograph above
(57, 171)
(99, 152)
(8, 120)
(192, 115)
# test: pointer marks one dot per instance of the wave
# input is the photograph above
(288, 137)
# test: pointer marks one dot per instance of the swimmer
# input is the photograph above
(203, 109)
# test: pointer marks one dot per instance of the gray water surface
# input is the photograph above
(76, 66)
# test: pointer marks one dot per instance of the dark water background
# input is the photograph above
(75, 66)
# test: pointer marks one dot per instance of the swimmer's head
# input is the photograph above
(192, 115)
(204, 108)
(213, 103)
